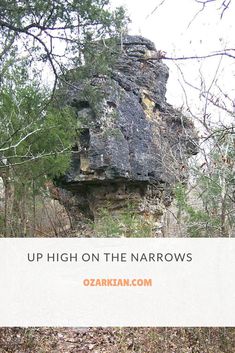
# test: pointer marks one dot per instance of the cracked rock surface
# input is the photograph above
(133, 144)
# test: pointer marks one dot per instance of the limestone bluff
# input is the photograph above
(131, 150)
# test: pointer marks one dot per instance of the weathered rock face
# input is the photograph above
(133, 144)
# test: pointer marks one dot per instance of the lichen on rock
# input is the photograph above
(132, 145)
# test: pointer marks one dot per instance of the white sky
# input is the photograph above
(170, 29)
(168, 26)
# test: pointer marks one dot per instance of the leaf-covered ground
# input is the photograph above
(117, 340)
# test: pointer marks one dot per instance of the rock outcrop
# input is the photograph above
(132, 145)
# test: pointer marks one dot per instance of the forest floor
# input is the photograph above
(117, 340)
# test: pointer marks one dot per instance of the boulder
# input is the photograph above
(133, 146)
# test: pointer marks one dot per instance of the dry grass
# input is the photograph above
(117, 340)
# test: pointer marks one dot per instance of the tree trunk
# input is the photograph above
(8, 201)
